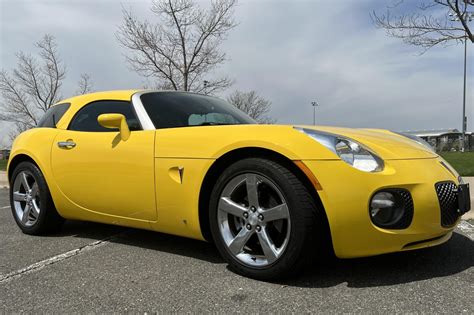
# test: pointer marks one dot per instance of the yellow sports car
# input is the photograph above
(269, 196)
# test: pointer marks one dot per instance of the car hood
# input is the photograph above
(388, 145)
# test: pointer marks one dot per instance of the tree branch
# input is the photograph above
(423, 28)
(182, 47)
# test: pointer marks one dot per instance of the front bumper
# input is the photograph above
(346, 193)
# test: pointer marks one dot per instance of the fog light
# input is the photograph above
(391, 209)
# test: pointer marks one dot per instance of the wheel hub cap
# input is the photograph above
(253, 218)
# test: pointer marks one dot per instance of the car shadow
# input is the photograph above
(448, 259)
(141, 238)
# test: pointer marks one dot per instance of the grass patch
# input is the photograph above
(3, 165)
(462, 162)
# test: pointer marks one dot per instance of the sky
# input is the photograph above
(290, 52)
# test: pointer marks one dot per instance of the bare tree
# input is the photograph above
(251, 103)
(429, 26)
(33, 86)
(182, 48)
(85, 84)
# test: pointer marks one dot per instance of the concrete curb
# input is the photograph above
(3, 179)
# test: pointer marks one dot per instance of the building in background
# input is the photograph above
(4, 154)
(445, 139)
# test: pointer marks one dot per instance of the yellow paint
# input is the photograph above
(346, 196)
(153, 179)
(114, 121)
(177, 202)
(205, 142)
(310, 175)
(176, 173)
(105, 174)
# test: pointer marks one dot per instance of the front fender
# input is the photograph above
(36, 144)
(211, 142)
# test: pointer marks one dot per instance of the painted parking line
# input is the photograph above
(4, 207)
(467, 229)
(464, 226)
(57, 258)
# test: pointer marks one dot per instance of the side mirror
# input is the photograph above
(114, 121)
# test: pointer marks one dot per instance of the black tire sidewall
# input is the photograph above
(286, 182)
(44, 194)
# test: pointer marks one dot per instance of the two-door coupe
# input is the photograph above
(268, 196)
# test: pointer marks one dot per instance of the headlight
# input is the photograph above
(350, 151)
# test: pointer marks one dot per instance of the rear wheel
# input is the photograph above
(31, 202)
(262, 219)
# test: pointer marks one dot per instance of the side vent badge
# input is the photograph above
(177, 173)
(181, 173)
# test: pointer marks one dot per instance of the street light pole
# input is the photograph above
(464, 118)
(206, 83)
(467, 16)
(314, 104)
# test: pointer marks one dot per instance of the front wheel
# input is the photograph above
(31, 202)
(262, 219)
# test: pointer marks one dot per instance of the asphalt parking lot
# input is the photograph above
(98, 268)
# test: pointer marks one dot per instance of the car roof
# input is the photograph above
(114, 94)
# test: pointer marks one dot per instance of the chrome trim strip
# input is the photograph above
(145, 120)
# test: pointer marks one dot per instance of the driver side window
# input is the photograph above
(86, 118)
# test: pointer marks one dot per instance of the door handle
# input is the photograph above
(66, 144)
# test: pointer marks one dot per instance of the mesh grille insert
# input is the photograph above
(408, 205)
(448, 202)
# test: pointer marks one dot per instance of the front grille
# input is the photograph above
(448, 202)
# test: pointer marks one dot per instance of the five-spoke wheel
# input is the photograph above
(26, 200)
(31, 202)
(262, 219)
(254, 220)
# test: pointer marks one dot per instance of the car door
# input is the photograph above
(98, 171)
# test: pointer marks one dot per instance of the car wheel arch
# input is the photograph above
(255, 152)
(16, 160)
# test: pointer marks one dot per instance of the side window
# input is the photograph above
(86, 118)
(53, 115)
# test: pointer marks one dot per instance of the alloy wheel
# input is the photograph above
(254, 219)
(26, 199)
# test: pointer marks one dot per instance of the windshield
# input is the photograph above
(181, 109)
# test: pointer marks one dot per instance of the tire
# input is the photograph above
(282, 237)
(31, 202)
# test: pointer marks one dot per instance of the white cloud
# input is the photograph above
(291, 52)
